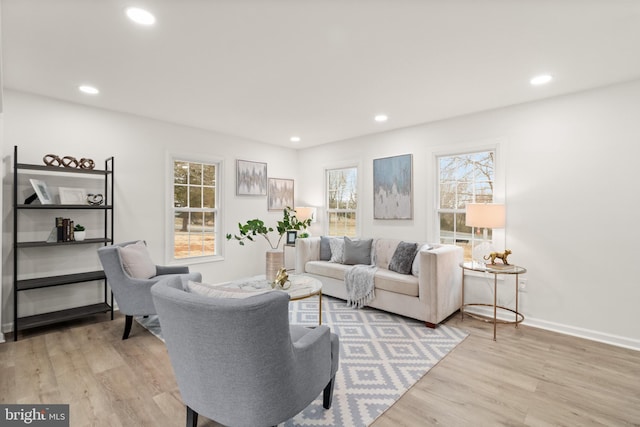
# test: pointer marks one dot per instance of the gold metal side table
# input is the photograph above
(495, 270)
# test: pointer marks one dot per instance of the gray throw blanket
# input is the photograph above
(359, 283)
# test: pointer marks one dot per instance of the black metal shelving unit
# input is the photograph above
(19, 285)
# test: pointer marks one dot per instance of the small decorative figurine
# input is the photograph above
(500, 255)
(281, 279)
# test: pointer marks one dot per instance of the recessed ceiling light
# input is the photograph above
(381, 118)
(140, 16)
(294, 139)
(89, 90)
(541, 80)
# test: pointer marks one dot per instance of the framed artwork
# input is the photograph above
(73, 196)
(251, 178)
(44, 195)
(291, 237)
(280, 194)
(392, 189)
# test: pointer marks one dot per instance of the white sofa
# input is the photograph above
(431, 294)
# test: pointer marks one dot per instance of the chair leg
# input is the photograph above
(192, 417)
(327, 394)
(127, 327)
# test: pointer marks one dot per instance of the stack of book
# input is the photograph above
(64, 228)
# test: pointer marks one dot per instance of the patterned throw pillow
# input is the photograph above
(402, 259)
(337, 250)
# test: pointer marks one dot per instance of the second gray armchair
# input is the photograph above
(238, 361)
(132, 294)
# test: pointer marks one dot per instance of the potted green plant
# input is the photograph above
(79, 233)
(256, 227)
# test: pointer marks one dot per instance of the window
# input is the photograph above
(195, 209)
(342, 201)
(463, 178)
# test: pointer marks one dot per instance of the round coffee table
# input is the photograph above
(301, 287)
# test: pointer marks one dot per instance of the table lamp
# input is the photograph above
(484, 215)
(304, 213)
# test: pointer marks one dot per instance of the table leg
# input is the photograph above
(516, 300)
(495, 304)
(320, 308)
(462, 303)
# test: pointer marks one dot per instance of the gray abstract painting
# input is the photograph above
(392, 193)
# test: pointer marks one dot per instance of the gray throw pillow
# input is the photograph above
(325, 249)
(357, 251)
(403, 257)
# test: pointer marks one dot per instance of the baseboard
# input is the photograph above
(585, 333)
(616, 340)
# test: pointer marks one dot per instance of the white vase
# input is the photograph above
(275, 261)
(79, 235)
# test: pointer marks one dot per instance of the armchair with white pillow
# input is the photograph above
(130, 273)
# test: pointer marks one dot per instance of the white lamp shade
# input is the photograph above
(485, 215)
(304, 213)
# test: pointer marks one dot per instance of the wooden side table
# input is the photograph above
(495, 270)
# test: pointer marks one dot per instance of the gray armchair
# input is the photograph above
(238, 361)
(134, 295)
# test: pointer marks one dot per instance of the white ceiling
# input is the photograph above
(319, 69)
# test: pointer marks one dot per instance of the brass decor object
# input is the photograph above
(498, 255)
(282, 278)
(68, 162)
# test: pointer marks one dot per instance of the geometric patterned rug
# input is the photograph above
(381, 356)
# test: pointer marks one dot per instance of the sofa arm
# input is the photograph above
(440, 281)
(307, 249)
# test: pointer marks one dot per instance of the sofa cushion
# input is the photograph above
(136, 261)
(395, 282)
(357, 251)
(403, 257)
(337, 250)
(328, 269)
(383, 251)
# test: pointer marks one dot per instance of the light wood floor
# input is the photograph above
(529, 377)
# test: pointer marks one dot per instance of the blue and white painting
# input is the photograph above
(392, 196)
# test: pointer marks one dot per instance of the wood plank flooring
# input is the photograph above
(529, 377)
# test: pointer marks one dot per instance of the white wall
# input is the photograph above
(570, 174)
(40, 126)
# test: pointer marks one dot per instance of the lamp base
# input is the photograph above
(481, 251)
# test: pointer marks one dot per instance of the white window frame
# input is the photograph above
(356, 211)
(495, 145)
(218, 209)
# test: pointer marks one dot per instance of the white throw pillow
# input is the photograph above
(136, 261)
(337, 250)
(415, 268)
(222, 292)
